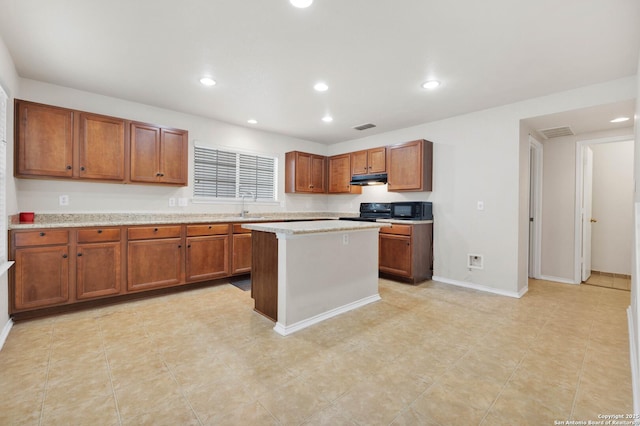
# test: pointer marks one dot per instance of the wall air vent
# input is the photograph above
(364, 126)
(556, 132)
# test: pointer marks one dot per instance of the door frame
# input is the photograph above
(581, 145)
(535, 207)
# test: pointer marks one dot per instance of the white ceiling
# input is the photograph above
(266, 55)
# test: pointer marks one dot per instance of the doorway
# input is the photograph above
(535, 207)
(600, 222)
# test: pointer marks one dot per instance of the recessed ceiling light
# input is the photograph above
(431, 84)
(619, 119)
(327, 119)
(321, 87)
(208, 81)
(301, 3)
(252, 121)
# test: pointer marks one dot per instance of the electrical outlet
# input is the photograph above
(480, 205)
(475, 261)
(345, 239)
(183, 202)
(172, 202)
(64, 200)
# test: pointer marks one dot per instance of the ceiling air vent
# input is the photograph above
(364, 126)
(556, 132)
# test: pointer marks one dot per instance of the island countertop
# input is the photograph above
(313, 227)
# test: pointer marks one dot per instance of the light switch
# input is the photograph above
(182, 202)
(480, 205)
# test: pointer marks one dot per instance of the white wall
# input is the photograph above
(558, 208)
(558, 203)
(611, 241)
(478, 157)
(9, 82)
(41, 196)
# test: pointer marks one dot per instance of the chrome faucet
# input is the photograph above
(243, 212)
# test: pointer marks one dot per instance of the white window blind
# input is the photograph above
(227, 174)
(3, 176)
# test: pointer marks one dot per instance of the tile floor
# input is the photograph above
(425, 355)
(604, 279)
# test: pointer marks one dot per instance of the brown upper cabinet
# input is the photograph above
(158, 155)
(340, 175)
(54, 142)
(44, 140)
(101, 147)
(410, 166)
(369, 161)
(304, 172)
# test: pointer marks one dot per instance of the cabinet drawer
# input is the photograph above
(397, 229)
(150, 232)
(207, 229)
(41, 238)
(238, 229)
(98, 235)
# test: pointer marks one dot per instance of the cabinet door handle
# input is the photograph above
(68, 167)
(158, 174)
(79, 254)
(189, 246)
(82, 168)
(179, 245)
(64, 256)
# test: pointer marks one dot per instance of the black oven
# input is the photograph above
(413, 210)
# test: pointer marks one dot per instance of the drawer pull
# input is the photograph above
(155, 229)
(42, 234)
(99, 231)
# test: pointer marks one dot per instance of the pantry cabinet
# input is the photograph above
(155, 257)
(369, 161)
(158, 155)
(410, 166)
(305, 173)
(340, 175)
(405, 251)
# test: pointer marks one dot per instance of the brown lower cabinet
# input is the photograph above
(41, 277)
(207, 252)
(405, 252)
(63, 266)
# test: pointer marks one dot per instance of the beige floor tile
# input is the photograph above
(429, 354)
(249, 414)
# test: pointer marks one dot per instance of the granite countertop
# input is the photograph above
(78, 220)
(314, 227)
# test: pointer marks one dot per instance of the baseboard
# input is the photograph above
(285, 330)
(557, 279)
(634, 358)
(483, 288)
(5, 332)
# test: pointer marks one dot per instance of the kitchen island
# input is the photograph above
(305, 272)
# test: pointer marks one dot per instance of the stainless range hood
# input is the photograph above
(373, 179)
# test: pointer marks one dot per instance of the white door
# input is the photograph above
(586, 212)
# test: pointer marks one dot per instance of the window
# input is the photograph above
(223, 174)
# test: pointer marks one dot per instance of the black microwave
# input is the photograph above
(413, 210)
